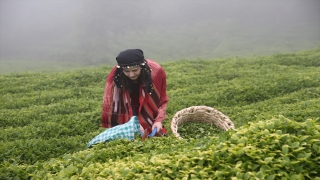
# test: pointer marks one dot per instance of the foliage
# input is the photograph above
(47, 119)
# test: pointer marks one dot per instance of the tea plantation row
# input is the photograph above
(47, 119)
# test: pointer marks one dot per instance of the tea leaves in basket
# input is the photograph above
(198, 130)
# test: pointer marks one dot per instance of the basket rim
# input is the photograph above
(218, 118)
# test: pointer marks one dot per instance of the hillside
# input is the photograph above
(51, 36)
(46, 119)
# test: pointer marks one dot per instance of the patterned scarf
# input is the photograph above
(116, 108)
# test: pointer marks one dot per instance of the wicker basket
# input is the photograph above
(200, 114)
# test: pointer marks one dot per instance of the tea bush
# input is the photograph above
(47, 119)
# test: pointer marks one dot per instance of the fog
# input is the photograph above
(93, 32)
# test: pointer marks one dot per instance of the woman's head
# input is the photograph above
(132, 66)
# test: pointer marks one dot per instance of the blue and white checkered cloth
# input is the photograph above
(124, 131)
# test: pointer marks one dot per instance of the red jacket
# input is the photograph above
(116, 108)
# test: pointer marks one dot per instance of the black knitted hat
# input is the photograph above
(130, 57)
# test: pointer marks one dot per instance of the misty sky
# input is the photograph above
(98, 29)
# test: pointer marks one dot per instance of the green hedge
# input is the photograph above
(47, 119)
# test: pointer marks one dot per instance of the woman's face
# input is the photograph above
(132, 72)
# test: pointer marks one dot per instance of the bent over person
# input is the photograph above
(135, 87)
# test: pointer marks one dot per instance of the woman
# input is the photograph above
(135, 87)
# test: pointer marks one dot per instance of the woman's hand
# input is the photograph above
(157, 125)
